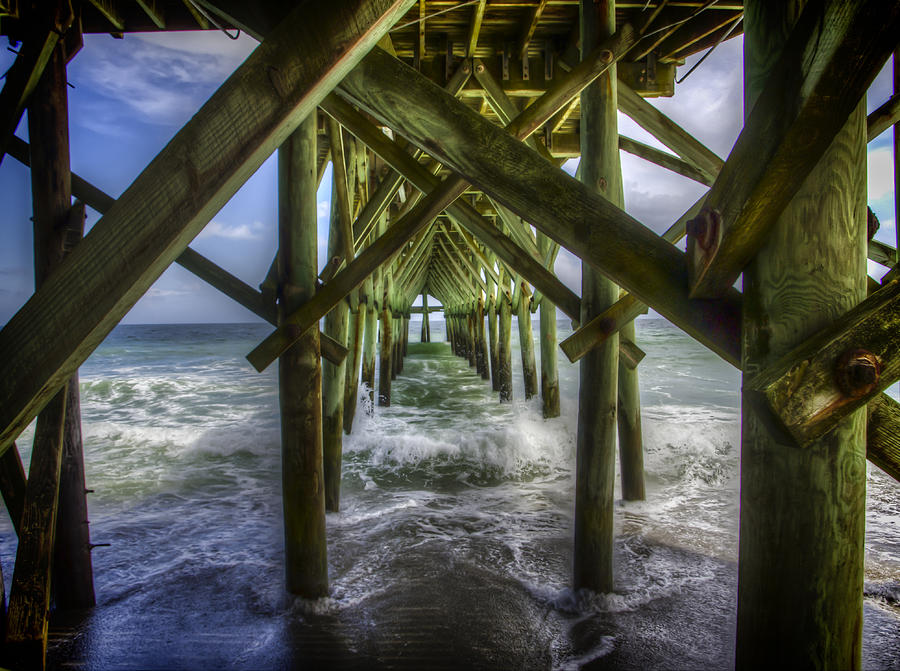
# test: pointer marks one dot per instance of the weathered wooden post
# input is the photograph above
(53, 525)
(372, 291)
(549, 368)
(526, 340)
(426, 325)
(482, 341)
(471, 346)
(505, 335)
(385, 367)
(58, 227)
(628, 419)
(300, 371)
(493, 334)
(369, 338)
(596, 438)
(802, 520)
(352, 363)
(337, 326)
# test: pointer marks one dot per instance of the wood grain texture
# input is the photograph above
(801, 390)
(833, 54)
(337, 325)
(58, 228)
(581, 220)
(802, 512)
(300, 370)
(595, 443)
(28, 617)
(251, 114)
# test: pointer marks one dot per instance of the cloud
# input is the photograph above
(708, 103)
(323, 208)
(880, 173)
(159, 79)
(215, 229)
(154, 292)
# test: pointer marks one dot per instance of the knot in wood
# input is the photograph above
(704, 228)
(857, 372)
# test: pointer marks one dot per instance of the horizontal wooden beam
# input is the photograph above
(153, 221)
(811, 388)
(883, 118)
(565, 210)
(831, 58)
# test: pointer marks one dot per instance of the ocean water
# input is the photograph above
(453, 548)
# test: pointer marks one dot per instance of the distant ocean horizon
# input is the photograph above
(455, 533)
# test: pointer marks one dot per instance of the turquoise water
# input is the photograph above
(451, 502)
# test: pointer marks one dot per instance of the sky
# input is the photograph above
(129, 97)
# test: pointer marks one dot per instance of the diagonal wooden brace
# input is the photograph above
(250, 115)
(831, 58)
(811, 388)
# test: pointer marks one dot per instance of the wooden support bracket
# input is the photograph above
(811, 388)
(831, 58)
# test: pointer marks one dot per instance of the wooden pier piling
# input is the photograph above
(356, 335)
(504, 338)
(802, 520)
(337, 325)
(426, 324)
(596, 437)
(385, 368)
(54, 542)
(526, 341)
(628, 420)
(300, 370)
